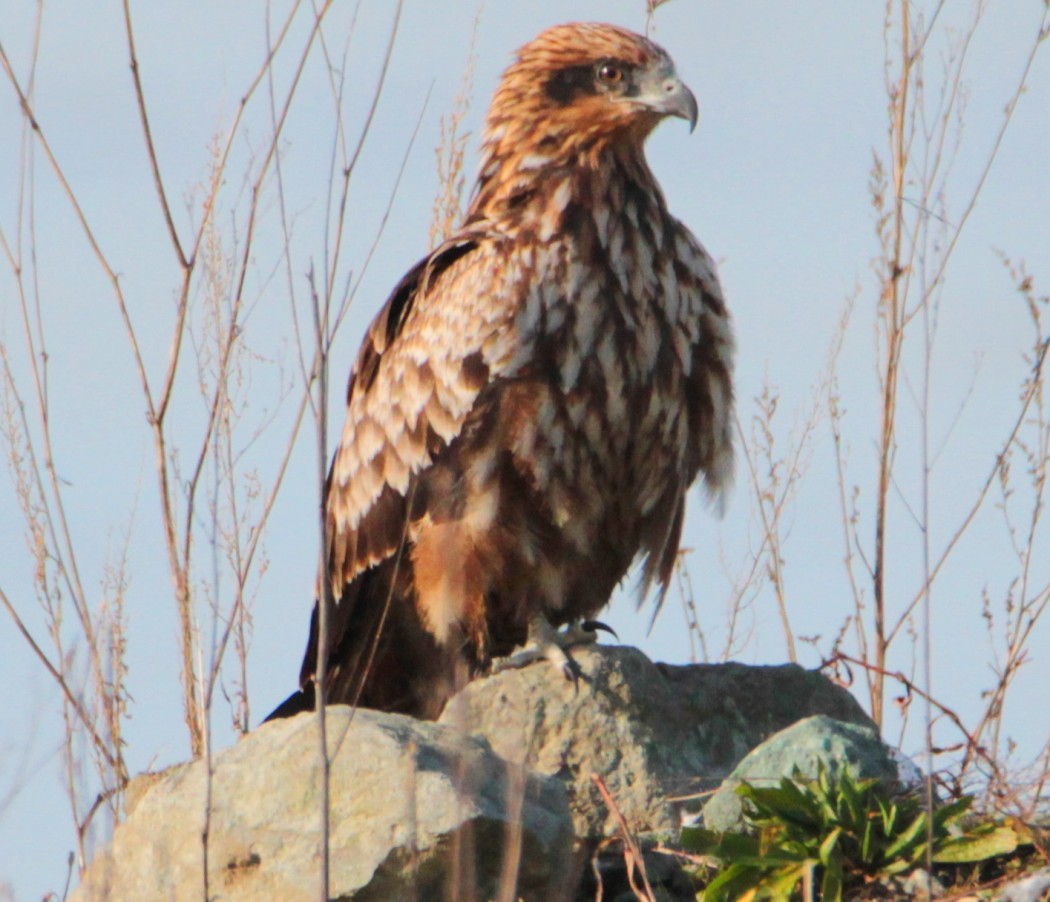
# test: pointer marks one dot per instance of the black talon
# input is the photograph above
(572, 671)
(592, 626)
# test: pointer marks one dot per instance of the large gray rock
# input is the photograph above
(805, 746)
(415, 807)
(460, 808)
(657, 734)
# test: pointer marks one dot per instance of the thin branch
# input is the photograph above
(71, 699)
(140, 99)
(1035, 377)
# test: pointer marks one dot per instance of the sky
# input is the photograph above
(775, 182)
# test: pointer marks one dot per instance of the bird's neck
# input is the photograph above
(527, 190)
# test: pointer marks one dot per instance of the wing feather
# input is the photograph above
(407, 399)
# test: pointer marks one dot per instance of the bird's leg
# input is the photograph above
(544, 641)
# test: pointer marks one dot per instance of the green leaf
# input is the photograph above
(866, 837)
(739, 848)
(720, 845)
(778, 855)
(831, 884)
(731, 884)
(787, 802)
(789, 851)
(888, 811)
(904, 845)
(986, 841)
(780, 885)
(898, 866)
(829, 848)
(951, 811)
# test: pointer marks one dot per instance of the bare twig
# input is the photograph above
(632, 854)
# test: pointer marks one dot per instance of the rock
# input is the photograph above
(1030, 888)
(427, 811)
(657, 734)
(919, 885)
(802, 745)
(414, 807)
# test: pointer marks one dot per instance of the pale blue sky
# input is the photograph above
(773, 181)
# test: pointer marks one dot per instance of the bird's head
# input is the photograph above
(585, 84)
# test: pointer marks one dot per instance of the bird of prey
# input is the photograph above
(530, 406)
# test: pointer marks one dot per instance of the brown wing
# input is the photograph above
(416, 379)
(402, 409)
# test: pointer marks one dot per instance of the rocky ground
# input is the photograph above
(517, 792)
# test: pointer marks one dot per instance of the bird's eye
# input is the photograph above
(610, 74)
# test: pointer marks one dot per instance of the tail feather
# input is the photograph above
(380, 655)
(296, 703)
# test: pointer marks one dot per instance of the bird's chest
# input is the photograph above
(609, 344)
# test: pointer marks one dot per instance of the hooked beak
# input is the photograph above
(681, 101)
(663, 92)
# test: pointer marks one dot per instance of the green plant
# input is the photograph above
(836, 831)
